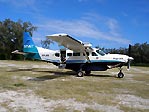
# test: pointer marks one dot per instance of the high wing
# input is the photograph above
(68, 42)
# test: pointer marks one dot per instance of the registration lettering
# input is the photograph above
(118, 58)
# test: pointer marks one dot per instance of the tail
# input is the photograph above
(28, 44)
(29, 47)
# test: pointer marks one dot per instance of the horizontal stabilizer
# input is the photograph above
(17, 52)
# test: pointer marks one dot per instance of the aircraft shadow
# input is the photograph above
(44, 78)
(20, 69)
(68, 73)
(55, 74)
(60, 74)
(44, 71)
(98, 75)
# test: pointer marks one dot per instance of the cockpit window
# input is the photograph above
(100, 52)
(94, 54)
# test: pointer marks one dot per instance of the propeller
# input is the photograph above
(129, 58)
(128, 65)
(129, 50)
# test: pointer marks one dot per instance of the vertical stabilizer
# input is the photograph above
(28, 44)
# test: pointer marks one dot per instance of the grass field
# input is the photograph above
(27, 86)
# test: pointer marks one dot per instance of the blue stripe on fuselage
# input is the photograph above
(92, 61)
(105, 61)
(76, 61)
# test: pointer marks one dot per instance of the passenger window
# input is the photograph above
(69, 54)
(76, 54)
(94, 54)
(57, 54)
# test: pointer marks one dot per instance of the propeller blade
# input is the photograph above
(128, 65)
(129, 50)
(130, 58)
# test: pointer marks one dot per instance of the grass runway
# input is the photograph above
(31, 86)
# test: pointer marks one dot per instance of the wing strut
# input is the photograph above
(88, 60)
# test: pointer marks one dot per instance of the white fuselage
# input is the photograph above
(76, 57)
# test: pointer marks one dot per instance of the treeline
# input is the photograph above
(140, 53)
(11, 38)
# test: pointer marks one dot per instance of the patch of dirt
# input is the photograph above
(12, 66)
(27, 100)
(2, 109)
(140, 70)
(133, 101)
(123, 91)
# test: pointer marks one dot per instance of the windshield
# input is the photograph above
(100, 52)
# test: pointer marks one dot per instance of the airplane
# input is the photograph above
(76, 55)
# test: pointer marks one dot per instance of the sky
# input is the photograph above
(103, 23)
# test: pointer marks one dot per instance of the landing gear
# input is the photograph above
(120, 74)
(80, 74)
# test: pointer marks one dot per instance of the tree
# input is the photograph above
(140, 52)
(11, 36)
(46, 43)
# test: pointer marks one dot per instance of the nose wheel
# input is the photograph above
(120, 74)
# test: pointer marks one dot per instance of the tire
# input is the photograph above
(120, 75)
(80, 74)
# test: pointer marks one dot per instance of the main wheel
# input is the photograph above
(87, 72)
(120, 75)
(80, 74)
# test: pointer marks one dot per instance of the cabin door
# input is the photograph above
(63, 56)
